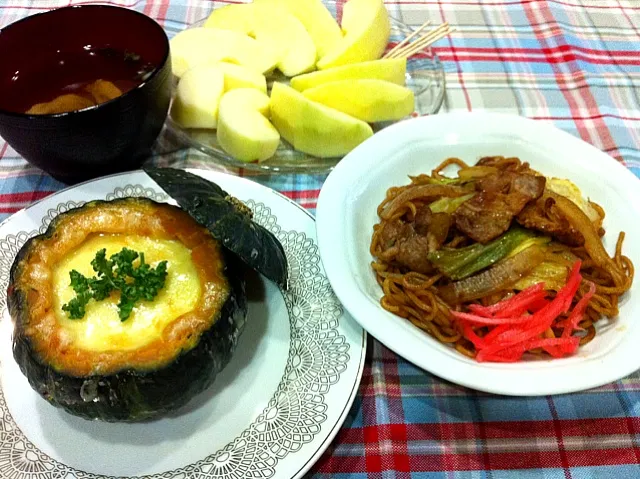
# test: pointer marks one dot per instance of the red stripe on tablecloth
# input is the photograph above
(148, 8)
(25, 196)
(300, 194)
(451, 461)
(339, 8)
(553, 55)
(162, 13)
(453, 56)
(12, 202)
(559, 49)
(373, 459)
(586, 117)
(157, 11)
(401, 462)
(11, 209)
(307, 198)
(396, 432)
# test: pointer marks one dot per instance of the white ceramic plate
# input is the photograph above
(346, 214)
(269, 414)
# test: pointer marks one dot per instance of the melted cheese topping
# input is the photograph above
(101, 328)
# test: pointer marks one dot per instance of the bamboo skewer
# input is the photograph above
(422, 42)
(404, 42)
(407, 49)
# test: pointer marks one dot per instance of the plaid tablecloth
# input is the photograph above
(575, 63)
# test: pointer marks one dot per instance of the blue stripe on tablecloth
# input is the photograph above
(622, 471)
(589, 405)
(500, 408)
(32, 180)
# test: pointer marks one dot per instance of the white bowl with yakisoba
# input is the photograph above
(491, 250)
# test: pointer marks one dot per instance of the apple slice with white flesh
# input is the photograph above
(314, 128)
(198, 96)
(282, 32)
(317, 20)
(243, 128)
(238, 76)
(367, 100)
(236, 17)
(196, 46)
(389, 69)
(366, 28)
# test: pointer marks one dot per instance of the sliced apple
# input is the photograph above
(199, 45)
(237, 17)
(366, 29)
(314, 128)
(243, 128)
(198, 97)
(285, 34)
(392, 70)
(367, 100)
(272, 23)
(237, 76)
(317, 20)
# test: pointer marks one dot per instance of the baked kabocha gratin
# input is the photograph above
(124, 310)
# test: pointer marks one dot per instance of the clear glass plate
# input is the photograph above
(425, 76)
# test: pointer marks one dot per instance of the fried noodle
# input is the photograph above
(415, 296)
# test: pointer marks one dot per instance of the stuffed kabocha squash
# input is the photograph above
(124, 310)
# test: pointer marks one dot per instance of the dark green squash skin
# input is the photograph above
(131, 395)
(228, 220)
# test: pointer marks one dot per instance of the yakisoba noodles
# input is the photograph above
(497, 229)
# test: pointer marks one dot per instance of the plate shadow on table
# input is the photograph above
(173, 427)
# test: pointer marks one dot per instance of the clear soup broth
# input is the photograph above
(74, 80)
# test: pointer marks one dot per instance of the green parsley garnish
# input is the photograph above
(116, 274)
